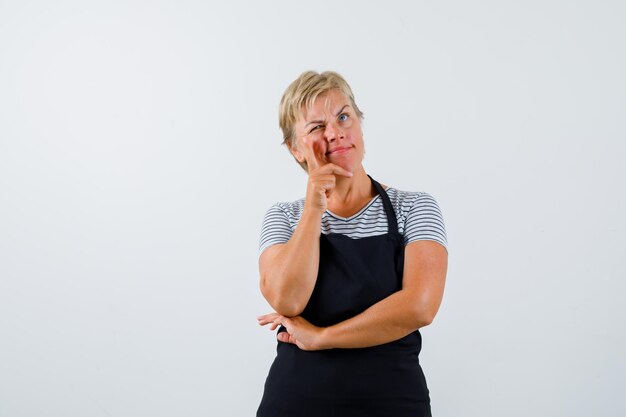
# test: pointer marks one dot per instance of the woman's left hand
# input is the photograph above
(299, 331)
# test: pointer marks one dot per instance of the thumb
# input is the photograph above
(283, 337)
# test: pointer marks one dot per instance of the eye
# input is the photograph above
(315, 128)
(343, 117)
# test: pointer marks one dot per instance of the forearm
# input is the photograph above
(290, 280)
(388, 320)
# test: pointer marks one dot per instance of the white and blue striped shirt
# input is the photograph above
(418, 214)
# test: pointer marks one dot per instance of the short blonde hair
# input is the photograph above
(301, 94)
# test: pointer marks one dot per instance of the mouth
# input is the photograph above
(338, 150)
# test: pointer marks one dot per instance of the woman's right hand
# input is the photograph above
(289, 270)
(322, 178)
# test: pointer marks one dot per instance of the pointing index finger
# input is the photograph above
(314, 157)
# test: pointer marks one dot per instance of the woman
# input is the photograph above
(352, 270)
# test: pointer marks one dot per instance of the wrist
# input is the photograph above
(312, 213)
(325, 340)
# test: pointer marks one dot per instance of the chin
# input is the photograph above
(350, 166)
(345, 161)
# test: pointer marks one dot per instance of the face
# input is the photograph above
(330, 131)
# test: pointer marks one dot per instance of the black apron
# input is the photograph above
(384, 380)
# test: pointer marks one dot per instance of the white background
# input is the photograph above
(139, 150)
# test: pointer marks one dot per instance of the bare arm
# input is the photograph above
(289, 271)
(403, 312)
(414, 306)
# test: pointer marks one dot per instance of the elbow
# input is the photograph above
(424, 318)
(427, 320)
(424, 309)
(286, 306)
(283, 305)
(288, 309)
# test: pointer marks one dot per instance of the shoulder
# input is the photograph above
(403, 200)
(279, 223)
(284, 214)
(419, 216)
(291, 210)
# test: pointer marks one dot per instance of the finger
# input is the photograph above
(336, 169)
(286, 337)
(277, 321)
(274, 326)
(314, 155)
(265, 319)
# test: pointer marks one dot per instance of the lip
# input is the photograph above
(340, 149)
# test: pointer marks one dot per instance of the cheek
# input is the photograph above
(313, 142)
(296, 150)
(356, 138)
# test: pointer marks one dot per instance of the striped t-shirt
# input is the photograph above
(418, 214)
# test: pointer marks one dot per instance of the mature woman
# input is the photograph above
(352, 270)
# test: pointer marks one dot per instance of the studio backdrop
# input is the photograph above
(140, 149)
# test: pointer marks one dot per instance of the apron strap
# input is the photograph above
(392, 224)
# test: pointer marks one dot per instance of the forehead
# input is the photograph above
(326, 104)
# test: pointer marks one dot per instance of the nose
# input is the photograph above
(333, 132)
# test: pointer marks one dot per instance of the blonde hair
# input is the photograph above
(301, 94)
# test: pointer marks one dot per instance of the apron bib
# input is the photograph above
(384, 380)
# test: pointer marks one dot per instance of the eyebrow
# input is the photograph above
(320, 121)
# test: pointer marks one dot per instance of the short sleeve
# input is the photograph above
(424, 221)
(275, 228)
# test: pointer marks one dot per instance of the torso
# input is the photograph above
(379, 381)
